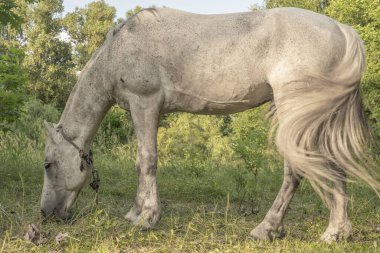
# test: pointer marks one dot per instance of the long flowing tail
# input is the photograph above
(322, 130)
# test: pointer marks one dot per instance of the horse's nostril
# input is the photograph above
(43, 213)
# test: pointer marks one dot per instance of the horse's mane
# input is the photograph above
(119, 26)
(152, 10)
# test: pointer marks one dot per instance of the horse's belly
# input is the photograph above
(217, 99)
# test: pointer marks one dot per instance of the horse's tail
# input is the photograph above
(323, 132)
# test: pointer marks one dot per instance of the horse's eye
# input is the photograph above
(47, 165)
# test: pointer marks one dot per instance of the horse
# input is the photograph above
(163, 60)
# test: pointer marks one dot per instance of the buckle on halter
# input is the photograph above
(95, 180)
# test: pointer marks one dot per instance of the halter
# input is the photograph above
(88, 158)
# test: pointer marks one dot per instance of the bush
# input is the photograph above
(116, 135)
(193, 140)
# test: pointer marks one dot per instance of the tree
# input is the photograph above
(48, 59)
(87, 28)
(250, 138)
(12, 76)
(8, 14)
(364, 16)
(12, 80)
(192, 140)
(313, 5)
(132, 12)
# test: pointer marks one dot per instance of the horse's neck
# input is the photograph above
(86, 107)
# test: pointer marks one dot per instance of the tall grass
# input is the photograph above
(207, 206)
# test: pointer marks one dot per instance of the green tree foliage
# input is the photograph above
(12, 76)
(48, 59)
(8, 14)
(30, 124)
(132, 12)
(87, 28)
(193, 140)
(116, 127)
(12, 81)
(250, 138)
(313, 5)
(364, 16)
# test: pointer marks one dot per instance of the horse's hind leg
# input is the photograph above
(146, 209)
(339, 227)
(272, 227)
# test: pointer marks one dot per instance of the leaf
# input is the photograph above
(33, 235)
(62, 238)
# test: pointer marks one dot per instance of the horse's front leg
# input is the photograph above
(146, 209)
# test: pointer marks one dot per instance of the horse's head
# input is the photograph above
(66, 172)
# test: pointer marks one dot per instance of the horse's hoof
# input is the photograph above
(132, 214)
(337, 234)
(265, 232)
(146, 219)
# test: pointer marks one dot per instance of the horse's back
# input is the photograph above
(226, 61)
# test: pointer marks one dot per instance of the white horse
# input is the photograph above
(164, 60)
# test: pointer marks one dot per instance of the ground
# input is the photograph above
(207, 211)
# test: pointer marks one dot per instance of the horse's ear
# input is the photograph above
(49, 129)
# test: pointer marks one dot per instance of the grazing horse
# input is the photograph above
(164, 60)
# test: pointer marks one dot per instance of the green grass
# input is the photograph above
(203, 210)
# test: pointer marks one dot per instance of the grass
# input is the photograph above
(212, 210)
